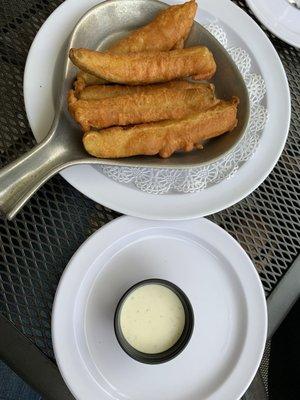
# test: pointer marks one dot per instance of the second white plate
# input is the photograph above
(280, 17)
(45, 58)
(214, 272)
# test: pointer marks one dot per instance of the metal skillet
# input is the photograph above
(62, 147)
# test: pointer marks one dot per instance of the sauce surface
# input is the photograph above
(152, 318)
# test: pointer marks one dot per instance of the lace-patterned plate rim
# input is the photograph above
(163, 181)
(40, 81)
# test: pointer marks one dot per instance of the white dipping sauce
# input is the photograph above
(152, 318)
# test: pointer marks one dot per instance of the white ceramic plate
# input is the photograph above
(208, 265)
(45, 58)
(280, 17)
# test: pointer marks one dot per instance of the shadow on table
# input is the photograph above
(13, 387)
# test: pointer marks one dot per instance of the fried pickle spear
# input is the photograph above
(97, 92)
(165, 137)
(84, 79)
(154, 105)
(146, 67)
(167, 31)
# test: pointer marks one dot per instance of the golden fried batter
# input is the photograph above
(72, 101)
(155, 105)
(179, 45)
(167, 31)
(97, 92)
(84, 79)
(165, 137)
(163, 33)
(146, 67)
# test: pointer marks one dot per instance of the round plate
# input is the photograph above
(214, 272)
(41, 65)
(281, 18)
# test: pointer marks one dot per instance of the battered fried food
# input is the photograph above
(167, 31)
(84, 79)
(165, 137)
(146, 67)
(154, 105)
(170, 27)
(97, 92)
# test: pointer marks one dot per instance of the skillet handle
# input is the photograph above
(24, 176)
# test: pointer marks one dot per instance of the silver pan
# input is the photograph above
(97, 29)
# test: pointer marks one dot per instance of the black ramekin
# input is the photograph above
(173, 351)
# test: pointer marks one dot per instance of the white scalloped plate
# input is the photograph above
(46, 54)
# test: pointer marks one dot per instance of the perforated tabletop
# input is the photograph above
(36, 246)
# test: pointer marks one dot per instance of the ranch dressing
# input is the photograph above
(152, 318)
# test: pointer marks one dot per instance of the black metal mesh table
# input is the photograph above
(38, 243)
